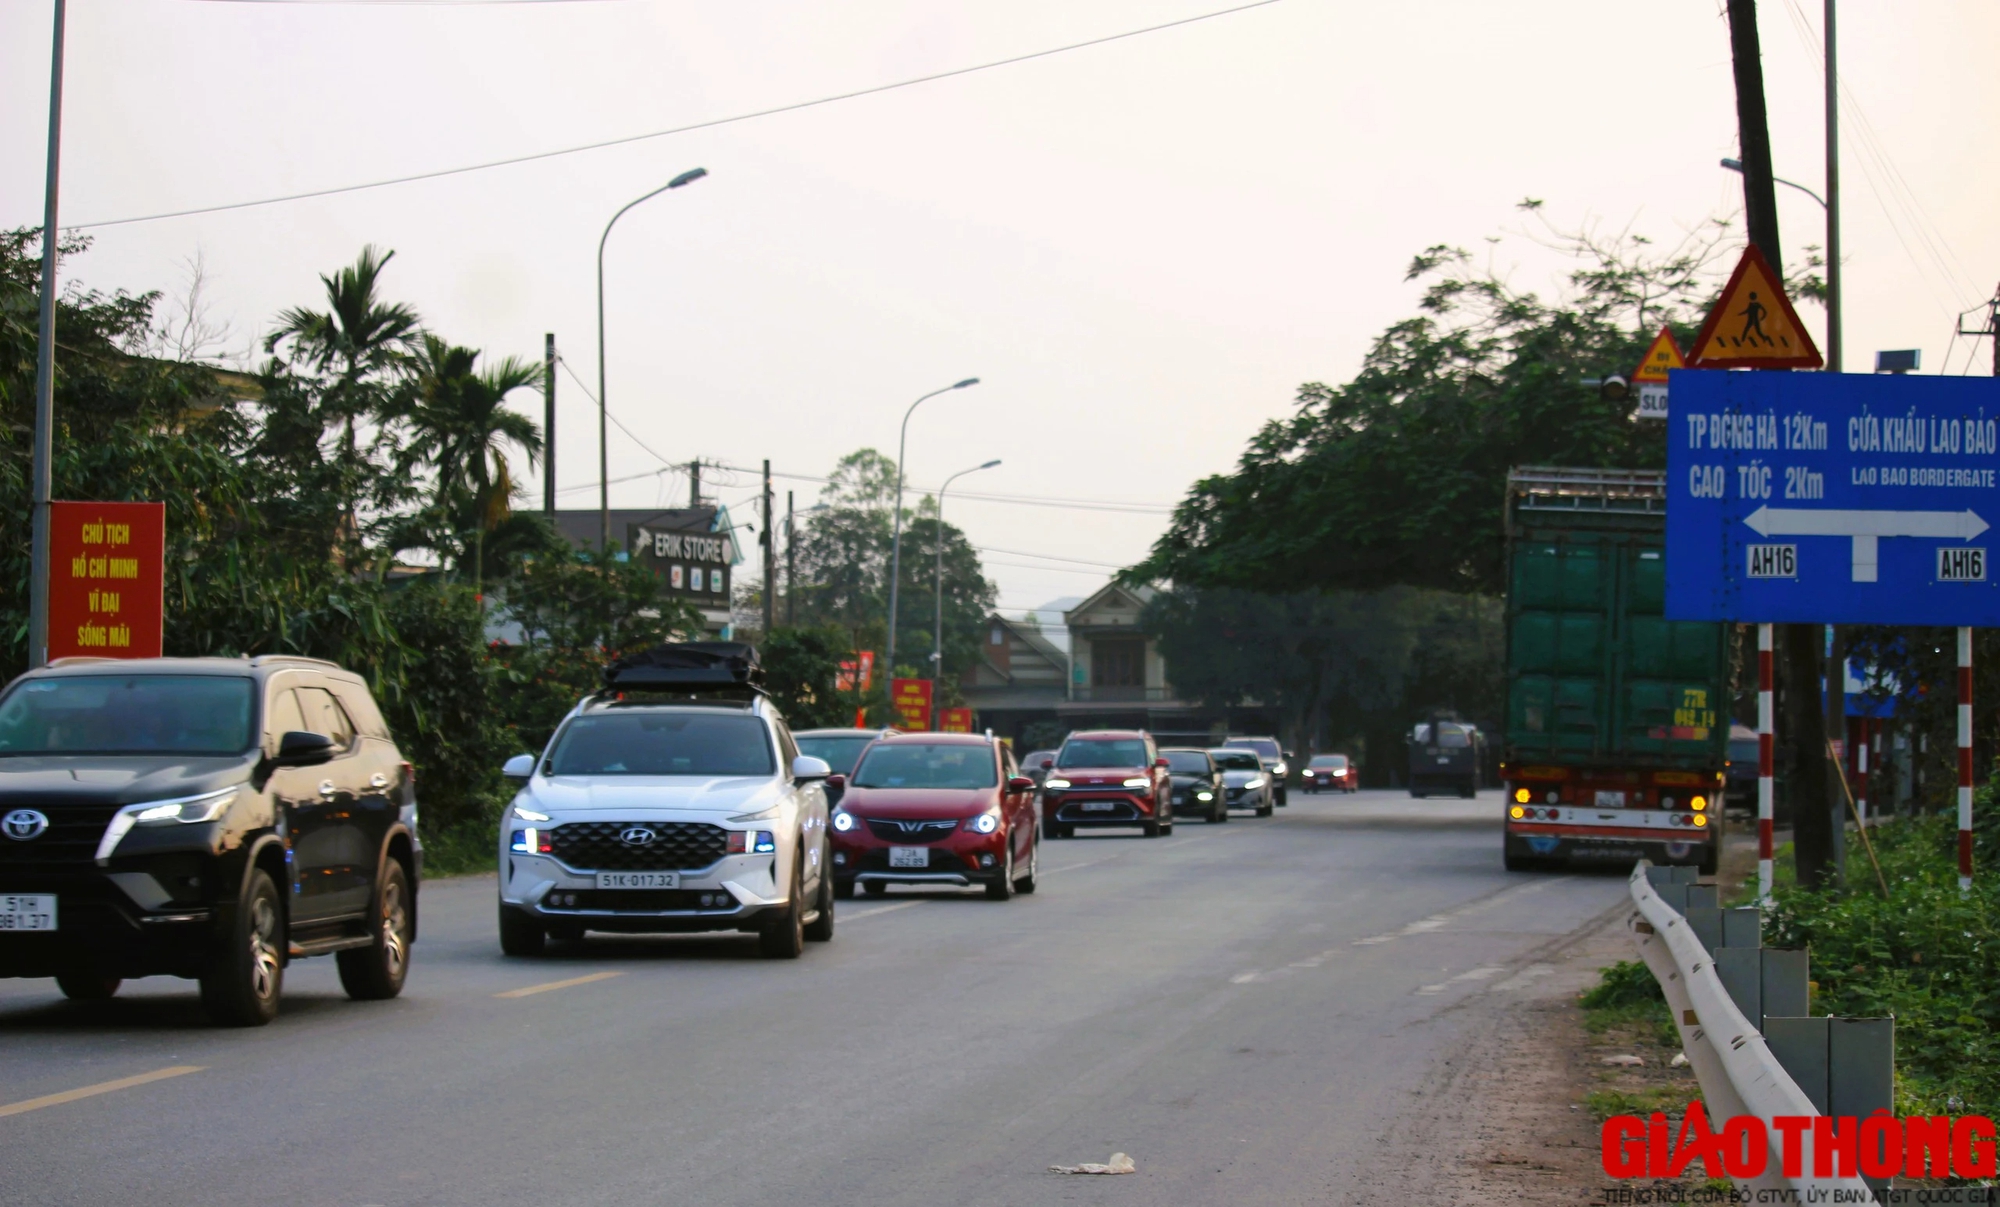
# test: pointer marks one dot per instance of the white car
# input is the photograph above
(649, 816)
(1245, 782)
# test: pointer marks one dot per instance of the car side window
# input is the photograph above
(283, 717)
(325, 715)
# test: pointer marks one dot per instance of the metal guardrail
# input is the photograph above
(1739, 1073)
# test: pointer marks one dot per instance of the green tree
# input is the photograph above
(801, 670)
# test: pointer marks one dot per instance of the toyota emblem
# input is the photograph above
(24, 824)
(631, 836)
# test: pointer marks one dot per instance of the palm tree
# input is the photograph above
(461, 428)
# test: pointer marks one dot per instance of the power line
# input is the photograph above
(711, 124)
(1049, 557)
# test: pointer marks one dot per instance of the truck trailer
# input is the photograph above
(1616, 743)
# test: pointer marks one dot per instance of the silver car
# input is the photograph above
(649, 816)
(1245, 783)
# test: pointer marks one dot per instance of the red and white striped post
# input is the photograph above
(1964, 760)
(1861, 768)
(1766, 807)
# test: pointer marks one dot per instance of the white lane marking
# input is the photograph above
(886, 909)
(91, 1091)
(1439, 921)
(1273, 974)
(1474, 974)
(532, 990)
(1243, 978)
(1523, 978)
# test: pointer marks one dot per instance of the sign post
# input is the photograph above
(107, 574)
(1651, 376)
(1767, 730)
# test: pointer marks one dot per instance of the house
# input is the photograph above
(1117, 678)
(1020, 678)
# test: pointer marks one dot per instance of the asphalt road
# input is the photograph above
(1241, 1008)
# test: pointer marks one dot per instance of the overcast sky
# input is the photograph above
(1142, 248)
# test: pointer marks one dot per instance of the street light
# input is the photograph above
(1736, 165)
(1833, 298)
(603, 412)
(896, 544)
(937, 633)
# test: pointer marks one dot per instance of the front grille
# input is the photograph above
(1119, 811)
(645, 901)
(908, 832)
(676, 845)
(71, 839)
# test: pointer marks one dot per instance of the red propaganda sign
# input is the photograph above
(954, 720)
(911, 698)
(107, 570)
(863, 663)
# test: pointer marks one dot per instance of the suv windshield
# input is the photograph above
(662, 743)
(1335, 761)
(912, 765)
(1186, 762)
(1236, 760)
(1265, 747)
(1103, 752)
(839, 752)
(129, 714)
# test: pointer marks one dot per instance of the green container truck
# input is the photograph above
(1617, 729)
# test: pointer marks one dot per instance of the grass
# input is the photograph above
(1669, 1099)
(1627, 998)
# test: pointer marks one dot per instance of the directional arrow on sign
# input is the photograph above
(1866, 527)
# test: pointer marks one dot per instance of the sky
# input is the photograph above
(1142, 248)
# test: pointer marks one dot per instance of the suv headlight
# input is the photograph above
(985, 823)
(1204, 796)
(1053, 782)
(1253, 782)
(751, 842)
(843, 820)
(186, 810)
(522, 813)
(1138, 781)
(1278, 770)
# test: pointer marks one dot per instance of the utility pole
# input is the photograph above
(1804, 655)
(1833, 332)
(549, 425)
(791, 565)
(769, 538)
(694, 483)
(45, 373)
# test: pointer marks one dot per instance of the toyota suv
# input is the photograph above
(675, 801)
(1108, 777)
(209, 818)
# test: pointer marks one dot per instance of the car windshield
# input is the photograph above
(1263, 746)
(662, 743)
(1186, 762)
(1236, 760)
(1741, 751)
(129, 714)
(1335, 761)
(839, 752)
(1103, 752)
(919, 765)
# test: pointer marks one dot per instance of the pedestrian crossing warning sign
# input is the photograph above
(1754, 325)
(1662, 355)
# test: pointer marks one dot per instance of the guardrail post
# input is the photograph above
(1766, 808)
(1964, 759)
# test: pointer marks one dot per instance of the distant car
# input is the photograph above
(936, 808)
(1108, 777)
(1035, 765)
(1330, 772)
(1245, 783)
(1197, 784)
(1741, 785)
(1444, 758)
(1274, 759)
(840, 749)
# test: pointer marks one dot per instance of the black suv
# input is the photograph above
(203, 817)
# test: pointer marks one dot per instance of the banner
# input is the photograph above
(911, 698)
(954, 720)
(107, 571)
(864, 662)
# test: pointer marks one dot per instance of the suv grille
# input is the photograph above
(71, 839)
(901, 831)
(596, 846)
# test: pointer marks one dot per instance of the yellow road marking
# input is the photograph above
(532, 990)
(89, 1091)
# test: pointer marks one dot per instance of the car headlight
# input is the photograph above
(1278, 770)
(1204, 796)
(1138, 781)
(1055, 783)
(985, 823)
(1257, 782)
(843, 820)
(531, 841)
(187, 812)
(525, 814)
(750, 842)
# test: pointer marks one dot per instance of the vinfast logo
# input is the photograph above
(1875, 1146)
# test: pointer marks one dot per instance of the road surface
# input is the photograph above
(1244, 1009)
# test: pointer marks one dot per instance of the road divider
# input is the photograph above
(92, 1091)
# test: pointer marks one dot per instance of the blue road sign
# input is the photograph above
(1833, 498)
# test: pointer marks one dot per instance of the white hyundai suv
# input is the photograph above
(654, 810)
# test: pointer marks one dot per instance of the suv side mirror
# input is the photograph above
(806, 767)
(836, 780)
(1160, 763)
(1290, 757)
(1020, 783)
(1048, 762)
(300, 748)
(520, 767)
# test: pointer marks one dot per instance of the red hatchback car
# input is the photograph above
(1108, 777)
(936, 808)
(1330, 771)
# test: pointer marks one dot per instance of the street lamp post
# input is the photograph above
(896, 543)
(937, 633)
(603, 412)
(45, 376)
(1831, 204)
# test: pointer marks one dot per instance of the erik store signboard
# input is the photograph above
(107, 569)
(689, 562)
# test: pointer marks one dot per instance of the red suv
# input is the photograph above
(936, 808)
(1108, 777)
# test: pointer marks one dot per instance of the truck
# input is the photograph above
(1445, 757)
(1617, 725)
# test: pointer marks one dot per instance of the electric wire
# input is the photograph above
(709, 124)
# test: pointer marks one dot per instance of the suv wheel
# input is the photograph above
(87, 986)
(820, 929)
(521, 933)
(242, 983)
(784, 937)
(376, 972)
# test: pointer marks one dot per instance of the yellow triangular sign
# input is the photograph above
(1754, 325)
(1664, 354)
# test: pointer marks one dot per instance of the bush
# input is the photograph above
(1626, 983)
